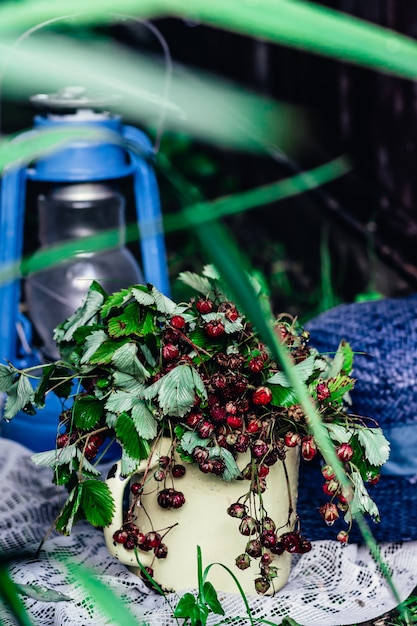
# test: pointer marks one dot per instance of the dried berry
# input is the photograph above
(242, 561)
(237, 510)
(329, 513)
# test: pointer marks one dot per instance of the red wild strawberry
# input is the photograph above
(291, 542)
(343, 536)
(218, 467)
(268, 538)
(262, 395)
(256, 364)
(214, 329)
(135, 488)
(234, 421)
(292, 439)
(153, 538)
(323, 392)
(193, 418)
(308, 448)
(205, 429)
(345, 452)
(170, 352)
(62, 440)
(259, 448)
(164, 461)
(218, 414)
(330, 487)
(305, 545)
(178, 471)
(254, 426)
(373, 478)
(263, 471)
(327, 472)
(178, 322)
(242, 442)
(232, 314)
(120, 536)
(204, 306)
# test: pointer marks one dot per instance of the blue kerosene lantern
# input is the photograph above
(78, 195)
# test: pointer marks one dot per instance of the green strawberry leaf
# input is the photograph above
(186, 606)
(211, 599)
(52, 458)
(283, 396)
(163, 304)
(19, 395)
(142, 295)
(191, 440)
(70, 511)
(143, 419)
(147, 325)
(120, 401)
(128, 383)
(92, 343)
(338, 432)
(104, 354)
(196, 282)
(176, 393)
(347, 357)
(125, 324)
(304, 370)
(361, 501)
(135, 446)
(84, 316)
(375, 445)
(339, 387)
(231, 471)
(87, 412)
(115, 301)
(97, 502)
(337, 364)
(128, 465)
(125, 360)
(7, 377)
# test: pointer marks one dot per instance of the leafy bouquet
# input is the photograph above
(136, 366)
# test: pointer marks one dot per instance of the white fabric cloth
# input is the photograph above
(330, 586)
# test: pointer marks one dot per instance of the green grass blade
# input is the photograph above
(254, 198)
(234, 270)
(215, 110)
(10, 597)
(102, 596)
(289, 22)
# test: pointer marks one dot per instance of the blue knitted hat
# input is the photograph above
(383, 335)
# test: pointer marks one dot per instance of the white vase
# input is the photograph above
(203, 521)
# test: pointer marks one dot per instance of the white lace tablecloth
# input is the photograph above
(330, 586)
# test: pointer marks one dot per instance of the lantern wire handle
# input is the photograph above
(151, 27)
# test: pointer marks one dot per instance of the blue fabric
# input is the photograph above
(383, 335)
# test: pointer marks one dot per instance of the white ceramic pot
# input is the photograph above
(203, 521)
